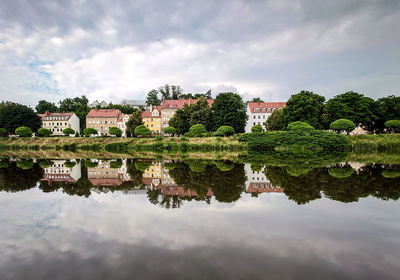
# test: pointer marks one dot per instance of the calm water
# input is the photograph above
(142, 219)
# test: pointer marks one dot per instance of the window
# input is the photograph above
(105, 122)
(254, 117)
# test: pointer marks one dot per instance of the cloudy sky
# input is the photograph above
(271, 49)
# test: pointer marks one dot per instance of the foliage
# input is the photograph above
(134, 121)
(45, 132)
(159, 138)
(91, 164)
(69, 164)
(23, 131)
(142, 165)
(387, 108)
(78, 105)
(116, 163)
(341, 172)
(225, 165)
(14, 115)
(343, 124)
(393, 125)
(305, 106)
(299, 126)
(170, 92)
(3, 132)
(44, 106)
(115, 131)
(13, 179)
(196, 130)
(181, 119)
(257, 128)
(46, 163)
(170, 130)
(152, 98)
(391, 173)
(142, 130)
(68, 131)
(206, 95)
(229, 109)
(255, 100)
(89, 131)
(275, 121)
(25, 164)
(225, 130)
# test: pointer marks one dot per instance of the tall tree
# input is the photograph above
(305, 106)
(387, 108)
(181, 119)
(255, 100)
(165, 92)
(134, 121)
(176, 92)
(152, 98)
(14, 115)
(44, 106)
(201, 113)
(275, 121)
(229, 109)
(79, 105)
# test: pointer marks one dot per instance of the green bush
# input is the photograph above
(3, 132)
(68, 131)
(44, 132)
(225, 130)
(89, 131)
(115, 131)
(257, 128)
(341, 172)
(3, 164)
(393, 125)
(196, 130)
(25, 164)
(299, 126)
(184, 139)
(391, 173)
(46, 163)
(69, 164)
(116, 164)
(23, 131)
(142, 130)
(77, 134)
(91, 164)
(343, 124)
(170, 130)
(159, 138)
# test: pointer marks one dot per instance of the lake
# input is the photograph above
(197, 219)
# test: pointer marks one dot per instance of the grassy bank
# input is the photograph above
(375, 143)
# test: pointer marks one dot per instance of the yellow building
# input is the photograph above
(152, 119)
(153, 171)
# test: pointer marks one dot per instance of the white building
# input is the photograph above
(59, 172)
(257, 182)
(259, 112)
(57, 122)
(121, 123)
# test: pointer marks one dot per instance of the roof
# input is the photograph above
(122, 115)
(179, 103)
(48, 114)
(103, 113)
(265, 107)
(148, 114)
(133, 102)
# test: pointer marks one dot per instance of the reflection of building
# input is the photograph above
(58, 172)
(259, 112)
(104, 175)
(153, 171)
(57, 122)
(257, 182)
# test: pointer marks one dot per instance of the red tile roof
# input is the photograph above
(267, 106)
(179, 103)
(103, 113)
(148, 114)
(265, 187)
(48, 114)
(122, 115)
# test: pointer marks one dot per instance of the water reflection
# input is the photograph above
(169, 183)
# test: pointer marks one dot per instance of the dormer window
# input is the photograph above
(256, 109)
(263, 109)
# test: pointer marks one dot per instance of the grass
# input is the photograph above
(375, 143)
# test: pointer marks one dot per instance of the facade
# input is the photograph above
(257, 182)
(58, 172)
(259, 112)
(134, 103)
(102, 120)
(169, 107)
(97, 103)
(104, 175)
(121, 123)
(152, 119)
(57, 122)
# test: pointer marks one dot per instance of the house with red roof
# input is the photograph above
(57, 122)
(102, 120)
(152, 119)
(259, 112)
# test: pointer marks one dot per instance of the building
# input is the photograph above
(97, 103)
(57, 122)
(257, 182)
(106, 176)
(169, 107)
(121, 123)
(152, 119)
(133, 103)
(58, 172)
(102, 120)
(259, 112)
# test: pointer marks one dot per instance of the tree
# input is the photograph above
(196, 130)
(343, 124)
(68, 131)
(23, 131)
(152, 98)
(257, 128)
(170, 92)
(352, 106)
(181, 119)
(44, 132)
(176, 92)
(14, 115)
(78, 105)
(299, 126)
(3, 132)
(225, 130)
(275, 121)
(170, 130)
(388, 109)
(142, 130)
(89, 131)
(393, 125)
(201, 113)
(255, 100)
(134, 121)
(44, 106)
(115, 131)
(229, 109)
(305, 106)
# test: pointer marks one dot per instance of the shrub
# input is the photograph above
(23, 131)
(225, 130)
(299, 126)
(142, 130)
(184, 139)
(196, 130)
(68, 131)
(170, 130)
(257, 128)
(159, 137)
(46, 163)
(341, 172)
(91, 164)
(3, 132)
(115, 131)
(343, 124)
(44, 132)
(89, 131)
(25, 164)
(393, 125)
(69, 164)
(116, 164)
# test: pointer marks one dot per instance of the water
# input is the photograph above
(191, 219)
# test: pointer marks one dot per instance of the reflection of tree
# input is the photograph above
(225, 165)
(135, 170)
(14, 179)
(341, 171)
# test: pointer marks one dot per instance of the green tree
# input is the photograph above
(229, 109)
(393, 125)
(170, 130)
(305, 106)
(89, 131)
(257, 128)
(201, 113)
(44, 106)
(152, 98)
(388, 109)
(14, 115)
(3, 132)
(196, 130)
(115, 131)
(255, 100)
(23, 131)
(275, 121)
(343, 124)
(68, 131)
(134, 121)
(225, 130)
(78, 105)
(142, 130)
(299, 126)
(181, 119)
(44, 132)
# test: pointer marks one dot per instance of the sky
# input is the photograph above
(111, 50)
